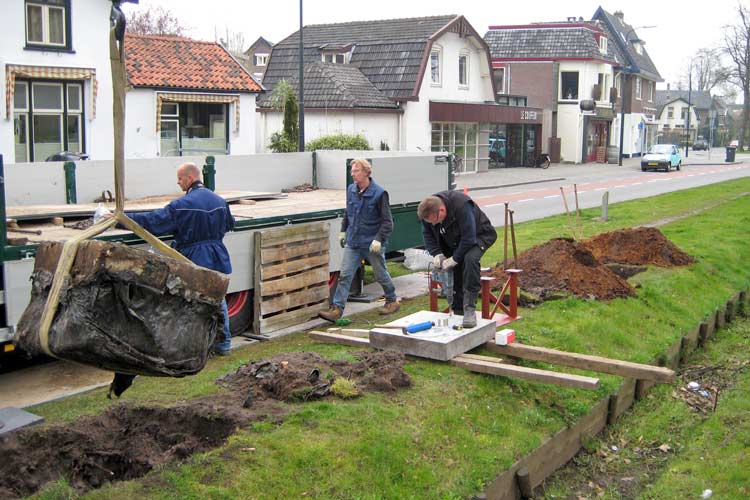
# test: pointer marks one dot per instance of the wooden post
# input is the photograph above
(567, 213)
(578, 213)
(605, 206)
(513, 238)
(524, 483)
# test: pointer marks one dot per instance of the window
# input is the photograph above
(193, 128)
(569, 85)
(670, 112)
(463, 70)
(330, 57)
(638, 87)
(261, 59)
(48, 23)
(652, 91)
(603, 44)
(458, 138)
(603, 82)
(47, 119)
(499, 74)
(435, 72)
(683, 113)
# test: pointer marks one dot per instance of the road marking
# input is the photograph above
(636, 184)
(553, 196)
(527, 199)
(620, 186)
(494, 205)
(600, 189)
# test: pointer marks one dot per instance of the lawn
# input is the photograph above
(450, 433)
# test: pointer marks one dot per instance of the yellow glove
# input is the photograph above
(375, 246)
(342, 239)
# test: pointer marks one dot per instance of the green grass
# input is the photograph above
(453, 431)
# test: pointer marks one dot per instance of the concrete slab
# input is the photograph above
(439, 342)
(12, 419)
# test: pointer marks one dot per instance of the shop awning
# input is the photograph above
(13, 71)
(208, 98)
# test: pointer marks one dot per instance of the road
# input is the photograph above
(535, 193)
(532, 194)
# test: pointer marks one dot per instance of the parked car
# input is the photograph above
(700, 144)
(662, 156)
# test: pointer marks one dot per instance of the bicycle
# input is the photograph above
(540, 160)
(457, 162)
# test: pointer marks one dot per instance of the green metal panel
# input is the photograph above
(209, 173)
(407, 230)
(70, 183)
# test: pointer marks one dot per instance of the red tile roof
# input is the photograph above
(182, 63)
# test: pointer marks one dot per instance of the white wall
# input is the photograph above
(416, 129)
(90, 44)
(375, 127)
(142, 140)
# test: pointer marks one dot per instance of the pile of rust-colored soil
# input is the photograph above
(639, 246)
(594, 268)
(563, 266)
(128, 441)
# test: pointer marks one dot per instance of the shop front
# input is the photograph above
(486, 136)
(596, 135)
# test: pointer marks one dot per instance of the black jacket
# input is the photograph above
(450, 237)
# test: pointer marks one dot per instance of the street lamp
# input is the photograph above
(687, 127)
(627, 70)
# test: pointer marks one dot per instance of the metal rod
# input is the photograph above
(505, 239)
(513, 237)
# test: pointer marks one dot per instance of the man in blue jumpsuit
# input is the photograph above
(198, 220)
(365, 229)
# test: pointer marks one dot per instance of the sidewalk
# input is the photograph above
(520, 176)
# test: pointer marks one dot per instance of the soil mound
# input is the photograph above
(563, 266)
(639, 246)
(128, 441)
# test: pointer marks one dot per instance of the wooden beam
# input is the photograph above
(585, 362)
(493, 366)
(337, 338)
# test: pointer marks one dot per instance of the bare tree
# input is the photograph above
(155, 21)
(708, 71)
(737, 47)
(234, 42)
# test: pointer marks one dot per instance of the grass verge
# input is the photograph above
(449, 434)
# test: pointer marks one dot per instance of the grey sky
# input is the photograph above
(682, 27)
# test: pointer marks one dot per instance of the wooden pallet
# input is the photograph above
(291, 275)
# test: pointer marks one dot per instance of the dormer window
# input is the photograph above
(333, 58)
(261, 59)
(47, 24)
(603, 44)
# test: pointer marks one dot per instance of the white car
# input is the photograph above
(662, 156)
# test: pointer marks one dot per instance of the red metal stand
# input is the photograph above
(509, 313)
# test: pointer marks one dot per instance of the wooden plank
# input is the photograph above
(291, 318)
(291, 300)
(731, 308)
(711, 320)
(622, 400)
(551, 455)
(584, 361)
(257, 277)
(247, 202)
(721, 317)
(292, 266)
(482, 358)
(337, 338)
(672, 356)
(295, 233)
(494, 368)
(292, 251)
(316, 276)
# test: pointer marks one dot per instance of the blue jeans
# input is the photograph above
(224, 340)
(350, 264)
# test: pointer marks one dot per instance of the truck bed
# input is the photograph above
(267, 205)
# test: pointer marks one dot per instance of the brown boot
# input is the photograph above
(331, 314)
(390, 307)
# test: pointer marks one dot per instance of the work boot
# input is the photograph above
(331, 314)
(470, 310)
(390, 307)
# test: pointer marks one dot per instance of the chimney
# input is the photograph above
(620, 15)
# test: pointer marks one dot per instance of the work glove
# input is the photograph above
(449, 263)
(342, 239)
(375, 246)
(437, 261)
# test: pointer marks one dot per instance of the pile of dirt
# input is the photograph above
(563, 266)
(639, 246)
(595, 268)
(128, 441)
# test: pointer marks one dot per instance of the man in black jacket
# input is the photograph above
(457, 233)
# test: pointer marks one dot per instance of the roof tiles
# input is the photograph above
(182, 63)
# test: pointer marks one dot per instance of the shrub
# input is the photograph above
(338, 141)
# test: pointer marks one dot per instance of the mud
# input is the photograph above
(596, 268)
(127, 441)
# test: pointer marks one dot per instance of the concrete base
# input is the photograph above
(442, 343)
(12, 419)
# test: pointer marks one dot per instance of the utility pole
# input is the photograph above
(301, 145)
(687, 127)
